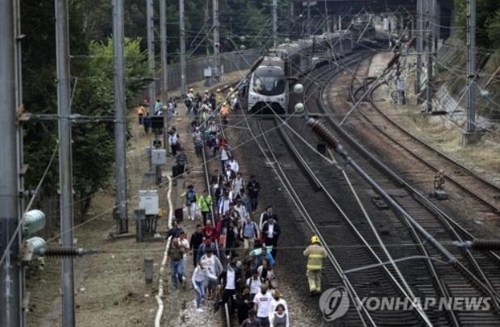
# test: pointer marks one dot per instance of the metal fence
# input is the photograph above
(230, 62)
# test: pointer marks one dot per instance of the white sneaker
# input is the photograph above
(199, 310)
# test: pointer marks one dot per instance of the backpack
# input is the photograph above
(190, 197)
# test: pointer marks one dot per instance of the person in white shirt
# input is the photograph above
(234, 165)
(262, 302)
(224, 204)
(238, 183)
(183, 241)
(173, 140)
(224, 157)
(214, 268)
(242, 212)
(198, 281)
(230, 280)
(277, 300)
(254, 283)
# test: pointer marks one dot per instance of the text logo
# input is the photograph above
(334, 303)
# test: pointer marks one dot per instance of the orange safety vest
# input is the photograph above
(224, 110)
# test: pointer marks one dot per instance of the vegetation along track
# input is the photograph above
(450, 283)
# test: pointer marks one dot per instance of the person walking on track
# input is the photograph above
(315, 254)
(253, 188)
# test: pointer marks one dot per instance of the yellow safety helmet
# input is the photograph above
(191, 90)
(218, 91)
(314, 239)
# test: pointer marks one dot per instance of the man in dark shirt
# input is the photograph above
(194, 244)
(253, 188)
(181, 162)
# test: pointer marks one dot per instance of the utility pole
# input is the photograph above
(206, 16)
(151, 54)
(10, 270)
(420, 44)
(65, 160)
(308, 18)
(182, 27)
(120, 121)
(275, 23)
(471, 66)
(152, 85)
(429, 56)
(163, 48)
(20, 155)
(216, 25)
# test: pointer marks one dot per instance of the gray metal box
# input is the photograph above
(158, 156)
(149, 201)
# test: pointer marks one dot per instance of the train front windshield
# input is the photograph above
(269, 85)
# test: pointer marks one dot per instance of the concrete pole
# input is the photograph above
(428, 97)
(65, 159)
(20, 152)
(275, 23)
(163, 47)
(10, 297)
(471, 65)
(206, 16)
(420, 43)
(182, 27)
(120, 120)
(308, 17)
(151, 54)
(216, 25)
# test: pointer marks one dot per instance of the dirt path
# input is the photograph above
(110, 286)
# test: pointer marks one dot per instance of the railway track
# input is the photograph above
(351, 246)
(435, 160)
(455, 173)
(448, 285)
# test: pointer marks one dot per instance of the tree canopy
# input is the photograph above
(91, 71)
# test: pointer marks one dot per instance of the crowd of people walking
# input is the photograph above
(234, 247)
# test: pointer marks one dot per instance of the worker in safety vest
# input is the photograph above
(140, 113)
(224, 112)
(315, 254)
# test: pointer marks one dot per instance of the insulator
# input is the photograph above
(36, 245)
(325, 135)
(34, 221)
(63, 252)
(486, 245)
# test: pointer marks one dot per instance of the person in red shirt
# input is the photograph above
(209, 231)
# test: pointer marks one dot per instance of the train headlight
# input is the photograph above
(299, 108)
(298, 88)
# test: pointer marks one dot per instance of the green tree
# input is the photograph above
(93, 150)
(487, 18)
(92, 95)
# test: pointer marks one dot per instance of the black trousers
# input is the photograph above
(274, 243)
(228, 296)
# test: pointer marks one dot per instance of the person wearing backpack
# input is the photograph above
(254, 283)
(191, 201)
(249, 232)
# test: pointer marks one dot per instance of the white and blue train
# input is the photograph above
(267, 89)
